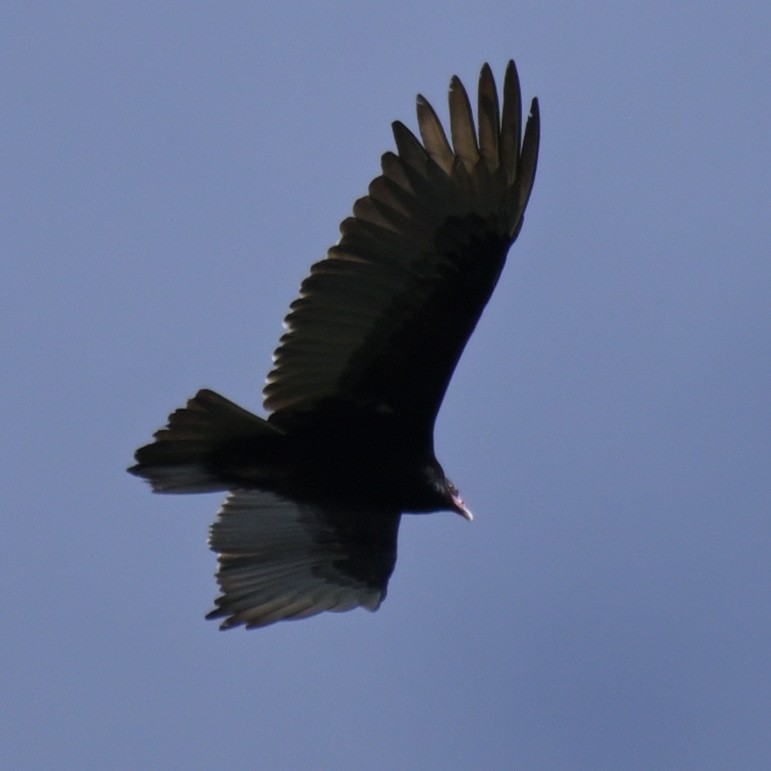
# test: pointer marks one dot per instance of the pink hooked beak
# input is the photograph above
(461, 507)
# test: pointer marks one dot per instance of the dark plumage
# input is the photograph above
(317, 490)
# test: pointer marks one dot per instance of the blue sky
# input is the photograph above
(169, 173)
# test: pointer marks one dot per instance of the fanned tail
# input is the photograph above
(184, 456)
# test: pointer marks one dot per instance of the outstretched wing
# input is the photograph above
(279, 559)
(382, 321)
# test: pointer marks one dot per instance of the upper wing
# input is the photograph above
(284, 560)
(382, 321)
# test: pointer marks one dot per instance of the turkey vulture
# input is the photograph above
(317, 490)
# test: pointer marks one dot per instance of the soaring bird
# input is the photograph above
(316, 491)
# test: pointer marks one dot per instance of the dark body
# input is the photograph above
(318, 488)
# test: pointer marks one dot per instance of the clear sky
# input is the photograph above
(169, 172)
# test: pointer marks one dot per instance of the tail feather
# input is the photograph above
(180, 458)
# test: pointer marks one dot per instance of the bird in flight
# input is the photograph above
(316, 491)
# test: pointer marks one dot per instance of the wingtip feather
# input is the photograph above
(433, 136)
(488, 115)
(462, 128)
(511, 121)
